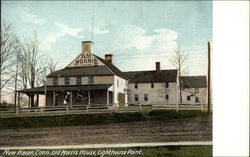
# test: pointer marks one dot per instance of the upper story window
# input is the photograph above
(145, 97)
(117, 83)
(78, 80)
(196, 90)
(55, 81)
(136, 85)
(188, 98)
(166, 84)
(66, 81)
(152, 85)
(136, 97)
(90, 79)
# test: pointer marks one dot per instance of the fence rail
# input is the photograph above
(95, 108)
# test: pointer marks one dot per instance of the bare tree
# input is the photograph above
(45, 67)
(29, 62)
(8, 41)
(179, 61)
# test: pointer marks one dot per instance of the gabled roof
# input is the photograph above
(152, 76)
(193, 81)
(107, 69)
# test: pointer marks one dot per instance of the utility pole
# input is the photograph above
(209, 80)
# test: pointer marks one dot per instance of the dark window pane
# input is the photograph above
(152, 85)
(78, 80)
(136, 85)
(145, 97)
(66, 80)
(91, 80)
(55, 81)
(167, 97)
(188, 98)
(166, 84)
(136, 97)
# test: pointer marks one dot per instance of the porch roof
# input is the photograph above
(41, 89)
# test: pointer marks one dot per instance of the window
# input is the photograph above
(196, 90)
(145, 97)
(55, 81)
(166, 84)
(152, 85)
(91, 80)
(78, 80)
(197, 99)
(136, 85)
(167, 97)
(117, 83)
(136, 97)
(188, 98)
(66, 80)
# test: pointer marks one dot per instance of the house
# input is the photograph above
(153, 87)
(193, 89)
(90, 79)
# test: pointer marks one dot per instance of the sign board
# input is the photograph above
(85, 59)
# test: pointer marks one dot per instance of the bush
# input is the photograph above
(172, 114)
(69, 120)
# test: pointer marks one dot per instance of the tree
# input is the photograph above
(8, 41)
(179, 61)
(45, 67)
(29, 62)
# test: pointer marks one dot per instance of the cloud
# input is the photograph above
(122, 37)
(26, 16)
(99, 31)
(60, 30)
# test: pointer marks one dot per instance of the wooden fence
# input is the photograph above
(95, 108)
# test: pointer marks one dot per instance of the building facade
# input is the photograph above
(90, 79)
(194, 89)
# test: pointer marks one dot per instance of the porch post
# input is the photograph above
(29, 101)
(107, 98)
(37, 99)
(54, 98)
(71, 95)
(18, 100)
(89, 98)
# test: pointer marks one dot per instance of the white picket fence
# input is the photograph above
(195, 106)
(95, 108)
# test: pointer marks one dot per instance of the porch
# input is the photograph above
(73, 95)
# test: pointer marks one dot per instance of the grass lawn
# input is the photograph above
(162, 151)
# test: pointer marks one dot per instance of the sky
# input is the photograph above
(137, 33)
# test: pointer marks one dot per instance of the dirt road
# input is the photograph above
(193, 129)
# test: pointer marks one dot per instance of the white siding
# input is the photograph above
(97, 80)
(202, 95)
(156, 95)
(122, 88)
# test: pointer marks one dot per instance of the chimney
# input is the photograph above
(109, 58)
(157, 66)
(87, 46)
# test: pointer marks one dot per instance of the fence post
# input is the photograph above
(67, 110)
(116, 108)
(177, 107)
(201, 107)
(140, 107)
(16, 110)
(87, 108)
